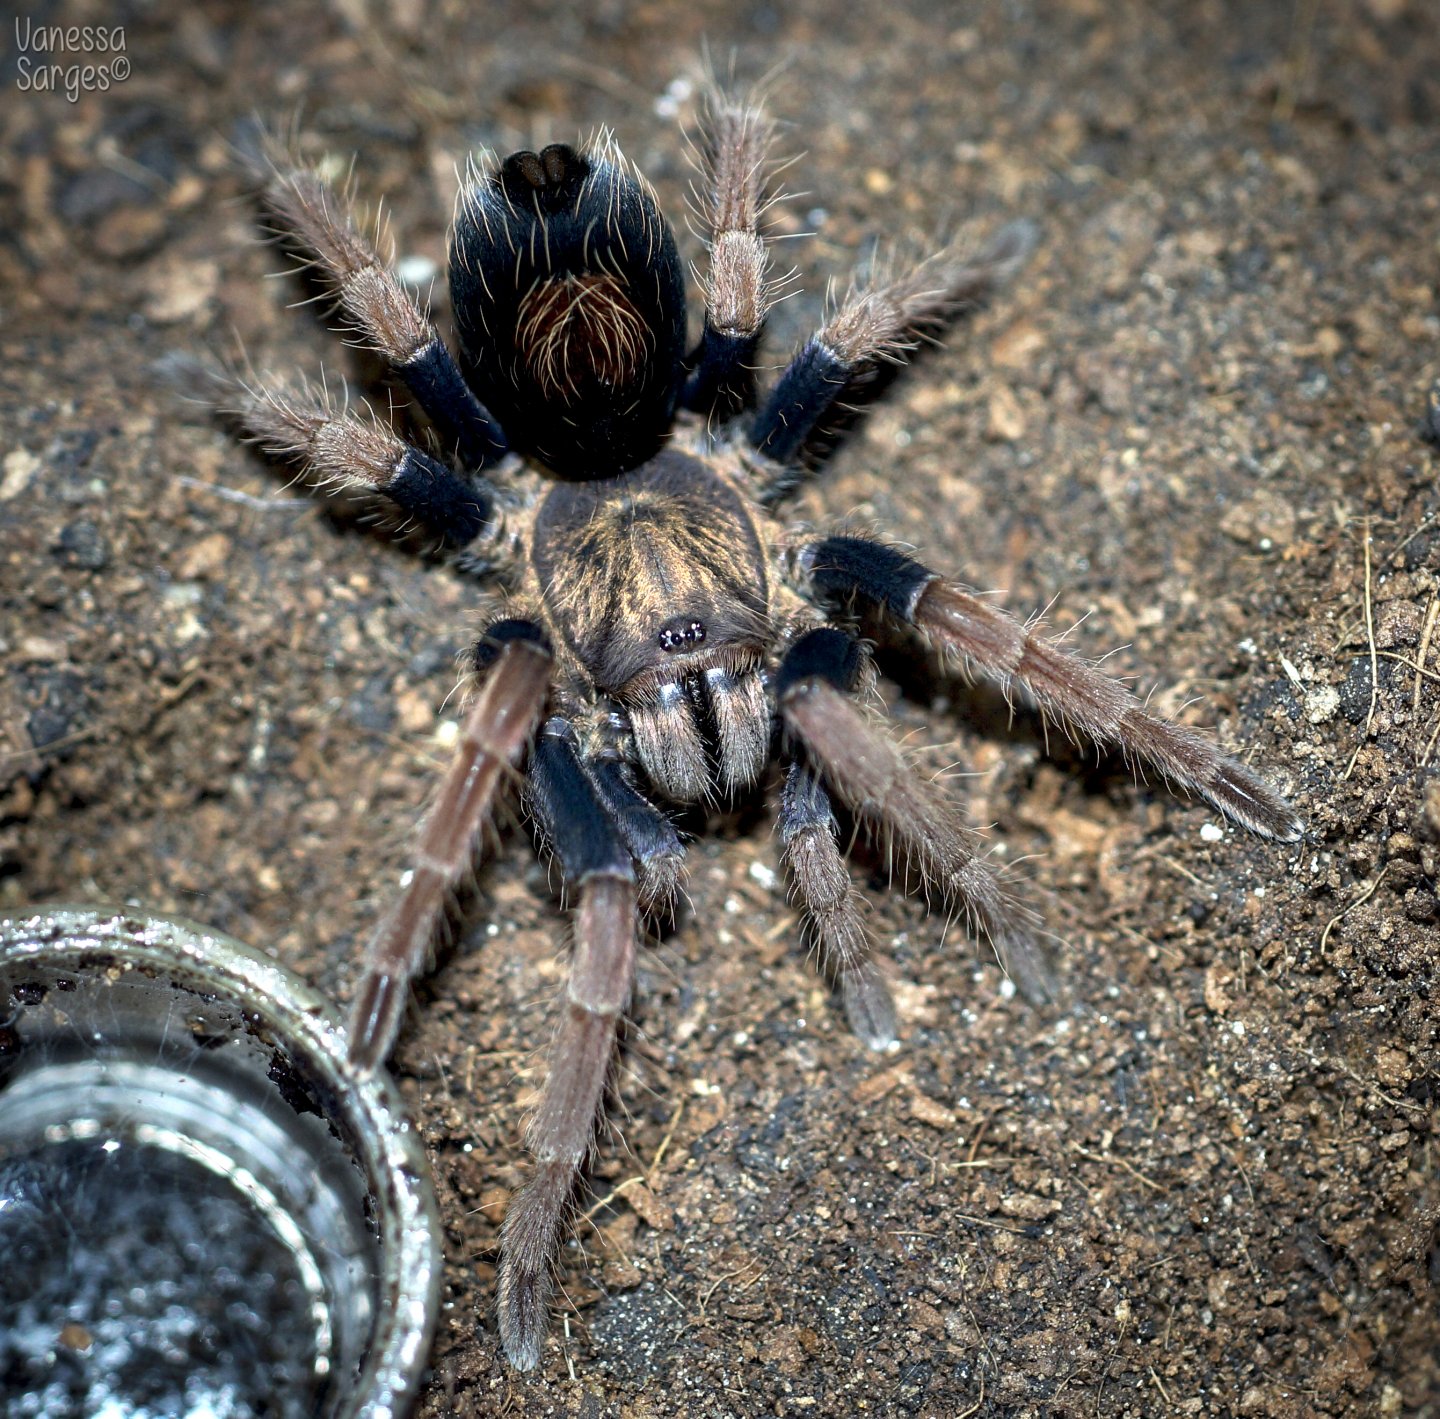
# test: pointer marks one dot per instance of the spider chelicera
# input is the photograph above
(664, 637)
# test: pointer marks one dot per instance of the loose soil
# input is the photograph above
(1204, 1181)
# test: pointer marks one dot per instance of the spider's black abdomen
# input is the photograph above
(570, 308)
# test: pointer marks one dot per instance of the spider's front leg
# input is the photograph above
(810, 852)
(596, 863)
(497, 731)
(651, 837)
(989, 643)
(868, 773)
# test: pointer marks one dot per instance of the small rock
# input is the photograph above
(1397, 623)
(130, 233)
(930, 1111)
(17, 472)
(1322, 704)
(1028, 1207)
(181, 290)
(1017, 347)
(204, 558)
(83, 545)
(1265, 520)
(1006, 420)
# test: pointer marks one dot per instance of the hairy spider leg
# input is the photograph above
(737, 286)
(876, 322)
(814, 688)
(986, 642)
(342, 450)
(384, 315)
(597, 870)
(497, 731)
(830, 905)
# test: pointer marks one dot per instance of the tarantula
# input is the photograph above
(666, 638)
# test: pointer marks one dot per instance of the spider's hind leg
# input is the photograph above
(340, 449)
(382, 312)
(880, 321)
(738, 288)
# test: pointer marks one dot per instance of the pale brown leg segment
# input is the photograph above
(738, 290)
(562, 1129)
(832, 907)
(870, 776)
(990, 643)
(882, 320)
(383, 314)
(497, 730)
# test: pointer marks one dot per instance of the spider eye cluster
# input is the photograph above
(570, 308)
(681, 633)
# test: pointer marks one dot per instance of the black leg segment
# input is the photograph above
(880, 321)
(346, 450)
(825, 654)
(464, 423)
(570, 811)
(647, 832)
(721, 381)
(841, 569)
(425, 488)
(812, 382)
(499, 634)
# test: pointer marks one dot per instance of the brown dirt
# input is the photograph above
(1204, 1182)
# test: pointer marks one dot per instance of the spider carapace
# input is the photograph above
(664, 637)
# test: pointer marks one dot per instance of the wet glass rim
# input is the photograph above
(83, 939)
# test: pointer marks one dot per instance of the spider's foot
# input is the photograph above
(527, 1251)
(869, 1006)
(1247, 799)
(375, 1019)
(524, 1316)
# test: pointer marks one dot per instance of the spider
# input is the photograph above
(664, 637)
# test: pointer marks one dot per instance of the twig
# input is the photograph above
(975, 1408)
(1374, 659)
(664, 1142)
(1297, 60)
(1322, 1061)
(1430, 613)
(1120, 1162)
(238, 495)
(1359, 901)
(980, 1133)
(1430, 747)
